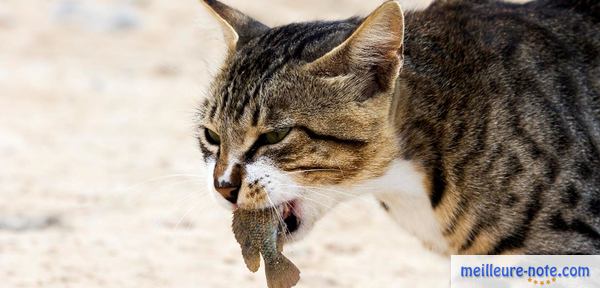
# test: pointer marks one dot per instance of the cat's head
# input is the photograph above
(299, 115)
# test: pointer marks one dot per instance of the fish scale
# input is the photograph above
(260, 232)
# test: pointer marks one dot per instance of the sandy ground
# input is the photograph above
(101, 182)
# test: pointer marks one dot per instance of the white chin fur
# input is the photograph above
(308, 213)
(279, 186)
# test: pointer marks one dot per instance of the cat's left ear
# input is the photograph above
(373, 50)
(238, 28)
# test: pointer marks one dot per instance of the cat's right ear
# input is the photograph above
(373, 50)
(238, 28)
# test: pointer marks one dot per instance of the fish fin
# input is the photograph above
(237, 225)
(251, 258)
(281, 273)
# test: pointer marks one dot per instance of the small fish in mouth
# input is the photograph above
(261, 232)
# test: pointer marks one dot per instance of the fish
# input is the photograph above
(261, 232)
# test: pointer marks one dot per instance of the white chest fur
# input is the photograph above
(402, 189)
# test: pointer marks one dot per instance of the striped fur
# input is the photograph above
(497, 105)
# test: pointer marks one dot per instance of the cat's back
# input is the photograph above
(492, 51)
(547, 32)
(514, 90)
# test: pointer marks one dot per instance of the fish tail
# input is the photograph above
(281, 273)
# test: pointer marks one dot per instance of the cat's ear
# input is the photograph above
(238, 28)
(374, 49)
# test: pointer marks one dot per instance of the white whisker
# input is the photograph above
(160, 178)
(279, 217)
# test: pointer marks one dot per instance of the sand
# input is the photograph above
(101, 180)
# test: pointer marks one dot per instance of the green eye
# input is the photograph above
(212, 137)
(276, 136)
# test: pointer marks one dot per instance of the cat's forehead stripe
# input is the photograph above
(256, 62)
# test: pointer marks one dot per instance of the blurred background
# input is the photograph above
(101, 181)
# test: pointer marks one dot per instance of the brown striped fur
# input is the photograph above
(497, 104)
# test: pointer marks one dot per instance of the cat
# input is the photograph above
(476, 123)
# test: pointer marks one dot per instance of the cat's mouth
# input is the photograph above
(291, 216)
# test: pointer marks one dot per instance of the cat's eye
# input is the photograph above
(275, 136)
(212, 137)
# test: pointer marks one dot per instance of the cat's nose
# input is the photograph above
(228, 180)
(228, 190)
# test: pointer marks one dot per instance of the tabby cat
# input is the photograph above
(476, 123)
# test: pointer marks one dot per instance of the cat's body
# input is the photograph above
(492, 124)
(507, 123)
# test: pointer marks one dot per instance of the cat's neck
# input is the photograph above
(416, 110)
(408, 198)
